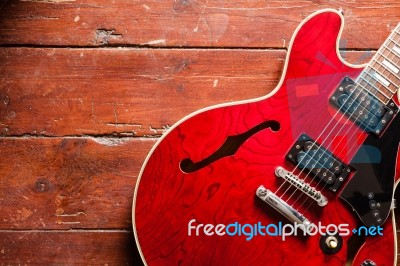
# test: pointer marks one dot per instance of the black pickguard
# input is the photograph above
(370, 190)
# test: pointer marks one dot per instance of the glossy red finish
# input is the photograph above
(224, 192)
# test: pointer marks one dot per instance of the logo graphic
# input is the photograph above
(278, 230)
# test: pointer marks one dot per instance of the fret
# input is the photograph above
(381, 77)
(392, 40)
(395, 47)
(378, 76)
(395, 38)
(396, 57)
(377, 94)
(389, 66)
(395, 31)
(392, 56)
(396, 41)
(390, 76)
(376, 86)
(387, 58)
(392, 69)
(382, 98)
(390, 60)
(397, 50)
(396, 69)
(368, 83)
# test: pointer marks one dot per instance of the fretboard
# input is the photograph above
(381, 77)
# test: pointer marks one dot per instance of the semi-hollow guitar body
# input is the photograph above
(209, 166)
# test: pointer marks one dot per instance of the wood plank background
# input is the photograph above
(87, 87)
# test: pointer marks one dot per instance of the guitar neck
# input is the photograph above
(381, 77)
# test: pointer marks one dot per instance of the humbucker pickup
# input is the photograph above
(307, 154)
(366, 110)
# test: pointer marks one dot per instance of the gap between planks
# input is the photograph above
(145, 47)
(95, 137)
(66, 231)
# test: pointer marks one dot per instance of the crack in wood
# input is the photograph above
(104, 36)
(49, 1)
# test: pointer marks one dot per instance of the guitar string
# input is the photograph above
(355, 109)
(326, 138)
(350, 150)
(322, 144)
(314, 144)
(339, 119)
(344, 124)
(335, 149)
(389, 38)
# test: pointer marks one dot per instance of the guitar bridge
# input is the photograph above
(283, 208)
(302, 186)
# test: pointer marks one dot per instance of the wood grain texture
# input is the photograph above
(126, 92)
(223, 191)
(185, 22)
(64, 183)
(68, 248)
(129, 92)
(57, 80)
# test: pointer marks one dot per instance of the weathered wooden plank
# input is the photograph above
(127, 91)
(130, 92)
(68, 248)
(225, 23)
(63, 183)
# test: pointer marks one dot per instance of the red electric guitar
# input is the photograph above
(302, 176)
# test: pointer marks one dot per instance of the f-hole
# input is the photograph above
(228, 148)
